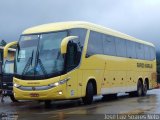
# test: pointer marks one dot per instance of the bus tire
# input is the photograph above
(47, 103)
(88, 99)
(145, 88)
(139, 91)
(13, 98)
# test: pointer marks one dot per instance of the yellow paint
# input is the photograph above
(5, 55)
(65, 42)
(107, 71)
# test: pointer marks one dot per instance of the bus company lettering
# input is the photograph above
(143, 65)
(33, 83)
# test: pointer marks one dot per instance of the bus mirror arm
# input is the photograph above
(65, 42)
(5, 52)
(87, 55)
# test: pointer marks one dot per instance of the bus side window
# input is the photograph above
(81, 33)
(140, 51)
(152, 53)
(95, 44)
(131, 49)
(147, 52)
(109, 45)
(121, 47)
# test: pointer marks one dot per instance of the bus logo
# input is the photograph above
(33, 88)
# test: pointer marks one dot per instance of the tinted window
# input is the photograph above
(81, 33)
(131, 49)
(152, 51)
(74, 49)
(140, 51)
(109, 45)
(147, 52)
(120, 47)
(95, 44)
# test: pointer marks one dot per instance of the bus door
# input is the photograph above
(109, 80)
(72, 61)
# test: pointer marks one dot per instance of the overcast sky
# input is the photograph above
(138, 18)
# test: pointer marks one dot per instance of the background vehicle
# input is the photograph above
(7, 72)
(79, 60)
(1, 62)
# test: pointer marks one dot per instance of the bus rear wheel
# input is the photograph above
(145, 88)
(88, 99)
(139, 91)
(139, 88)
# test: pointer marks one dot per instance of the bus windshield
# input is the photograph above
(39, 54)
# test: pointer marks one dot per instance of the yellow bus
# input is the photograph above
(6, 74)
(70, 60)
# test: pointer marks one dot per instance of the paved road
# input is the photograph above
(71, 110)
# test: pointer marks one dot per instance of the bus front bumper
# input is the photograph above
(50, 94)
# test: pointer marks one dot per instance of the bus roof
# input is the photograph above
(78, 24)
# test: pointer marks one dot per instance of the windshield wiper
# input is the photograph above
(18, 48)
(41, 64)
(29, 62)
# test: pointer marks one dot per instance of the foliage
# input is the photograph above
(3, 43)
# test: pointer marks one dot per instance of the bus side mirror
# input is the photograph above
(65, 42)
(5, 51)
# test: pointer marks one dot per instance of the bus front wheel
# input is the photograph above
(88, 99)
(47, 103)
(13, 98)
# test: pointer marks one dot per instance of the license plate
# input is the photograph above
(34, 95)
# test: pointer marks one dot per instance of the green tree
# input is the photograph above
(3, 43)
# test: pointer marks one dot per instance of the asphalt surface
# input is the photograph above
(75, 110)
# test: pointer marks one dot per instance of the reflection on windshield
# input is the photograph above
(25, 53)
(49, 53)
(40, 54)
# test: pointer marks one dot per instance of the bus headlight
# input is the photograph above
(16, 85)
(54, 84)
(59, 83)
(63, 81)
